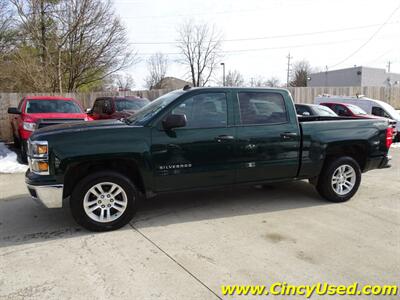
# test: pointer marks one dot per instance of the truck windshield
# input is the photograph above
(150, 110)
(52, 106)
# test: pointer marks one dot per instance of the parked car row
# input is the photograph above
(351, 107)
(35, 112)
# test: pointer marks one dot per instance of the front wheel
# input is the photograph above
(339, 179)
(103, 201)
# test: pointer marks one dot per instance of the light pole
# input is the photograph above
(223, 74)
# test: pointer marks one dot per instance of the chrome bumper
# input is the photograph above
(50, 196)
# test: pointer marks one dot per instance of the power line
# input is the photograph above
(272, 36)
(382, 55)
(264, 49)
(367, 41)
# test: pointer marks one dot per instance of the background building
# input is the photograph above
(170, 83)
(357, 76)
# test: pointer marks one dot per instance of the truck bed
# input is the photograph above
(362, 137)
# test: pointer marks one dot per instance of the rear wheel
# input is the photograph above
(103, 201)
(339, 179)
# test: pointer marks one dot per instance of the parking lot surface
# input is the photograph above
(185, 246)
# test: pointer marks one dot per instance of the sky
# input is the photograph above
(334, 34)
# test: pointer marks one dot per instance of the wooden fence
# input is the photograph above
(300, 95)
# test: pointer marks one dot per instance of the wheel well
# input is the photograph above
(80, 170)
(356, 151)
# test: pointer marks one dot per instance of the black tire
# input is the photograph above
(17, 142)
(325, 182)
(103, 177)
(23, 149)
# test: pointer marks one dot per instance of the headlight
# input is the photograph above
(29, 126)
(38, 157)
(39, 148)
(39, 166)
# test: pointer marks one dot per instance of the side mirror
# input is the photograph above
(174, 121)
(14, 111)
(89, 111)
(306, 114)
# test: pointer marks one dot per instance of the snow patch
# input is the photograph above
(9, 162)
(395, 145)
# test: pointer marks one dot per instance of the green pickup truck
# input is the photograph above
(198, 138)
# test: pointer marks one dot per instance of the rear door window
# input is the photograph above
(377, 111)
(107, 106)
(262, 108)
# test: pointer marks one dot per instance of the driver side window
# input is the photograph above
(204, 111)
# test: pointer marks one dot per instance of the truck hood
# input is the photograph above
(78, 126)
(39, 116)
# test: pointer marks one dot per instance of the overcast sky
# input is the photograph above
(324, 32)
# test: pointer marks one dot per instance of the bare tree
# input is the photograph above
(234, 78)
(6, 28)
(157, 66)
(200, 46)
(301, 71)
(7, 44)
(125, 82)
(258, 81)
(273, 82)
(81, 42)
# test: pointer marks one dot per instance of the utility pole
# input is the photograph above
(223, 73)
(388, 66)
(326, 75)
(288, 69)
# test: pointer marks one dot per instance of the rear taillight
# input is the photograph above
(389, 137)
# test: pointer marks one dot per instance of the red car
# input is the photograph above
(348, 110)
(35, 112)
(116, 107)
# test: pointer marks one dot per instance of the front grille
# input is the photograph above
(50, 122)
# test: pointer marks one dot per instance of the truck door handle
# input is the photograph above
(288, 135)
(222, 138)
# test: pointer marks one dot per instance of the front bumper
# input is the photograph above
(50, 196)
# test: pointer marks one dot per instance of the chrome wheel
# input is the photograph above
(343, 179)
(105, 202)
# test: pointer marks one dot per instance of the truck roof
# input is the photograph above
(234, 88)
(48, 98)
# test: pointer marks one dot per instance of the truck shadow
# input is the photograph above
(202, 205)
(24, 222)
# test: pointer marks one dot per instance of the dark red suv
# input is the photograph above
(116, 107)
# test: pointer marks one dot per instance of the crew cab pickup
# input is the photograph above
(199, 138)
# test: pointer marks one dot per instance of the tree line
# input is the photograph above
(81, 45)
